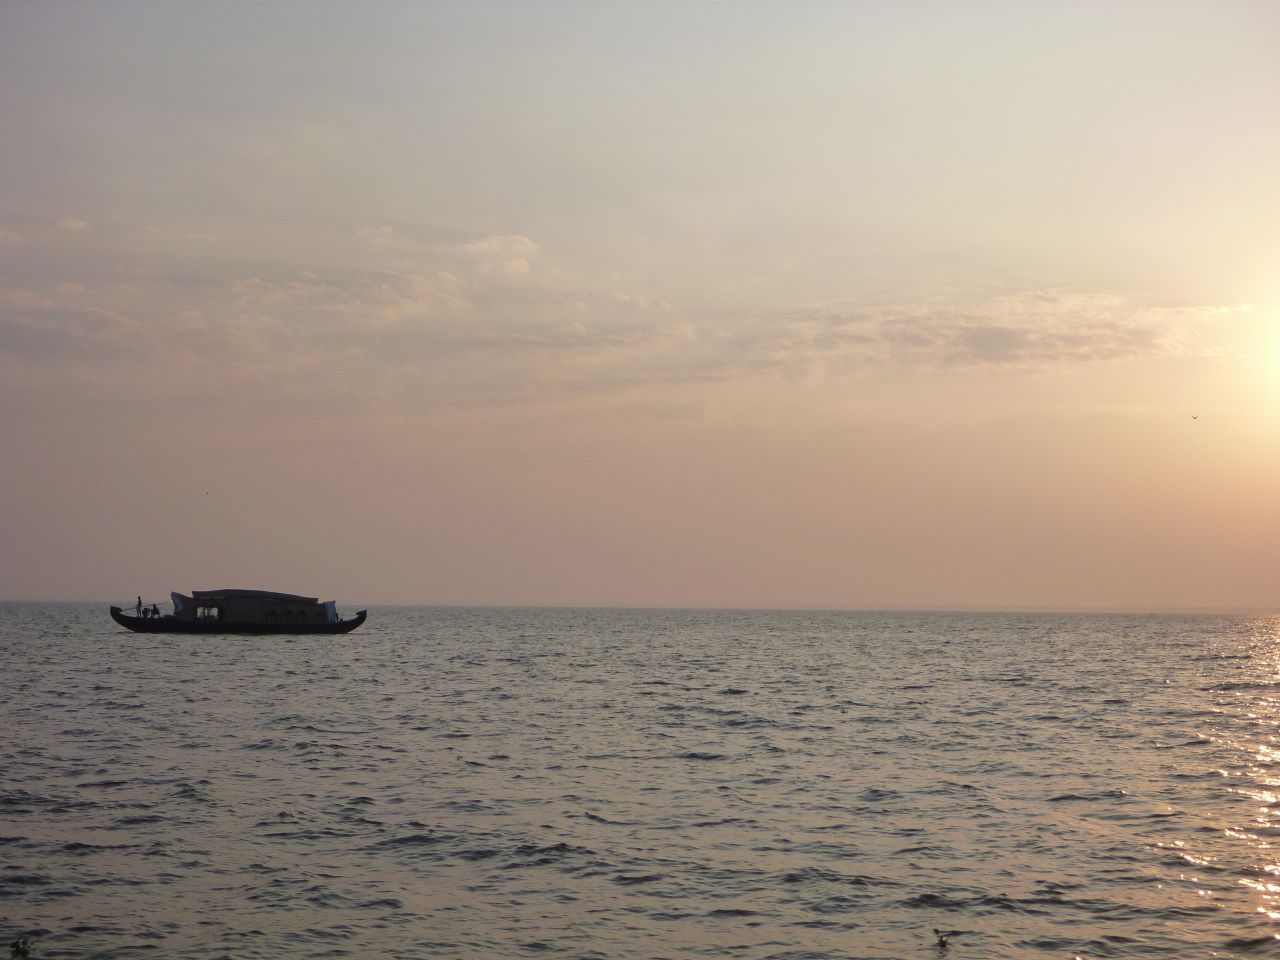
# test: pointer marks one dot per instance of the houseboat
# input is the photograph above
(238, 611)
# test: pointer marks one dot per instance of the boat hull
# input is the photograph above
(173, 625)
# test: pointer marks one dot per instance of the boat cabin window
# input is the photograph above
(208, 613)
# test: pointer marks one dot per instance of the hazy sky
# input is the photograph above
(747, 304)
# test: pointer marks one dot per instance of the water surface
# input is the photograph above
(641, 784)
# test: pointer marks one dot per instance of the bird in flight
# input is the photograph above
(1195, 417)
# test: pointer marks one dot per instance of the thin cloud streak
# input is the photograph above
(1028, 329)
(453, 322)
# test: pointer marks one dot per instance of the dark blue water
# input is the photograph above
(639, 784)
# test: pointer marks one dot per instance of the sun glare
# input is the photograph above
(1271, 354)
(1264, 335)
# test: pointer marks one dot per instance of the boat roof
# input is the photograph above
(227, 594)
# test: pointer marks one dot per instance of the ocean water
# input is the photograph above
(643, 784)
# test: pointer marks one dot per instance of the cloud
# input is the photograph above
(498, 256)
(24, 298)
(517, 267)
(11, 238)
(506, 256)
(1024, 330)
(382, 318)
(54, 332)
(433, 339)
(380, 236)
(386, 296)
(505, 243)
(72, 225)
(365, 299)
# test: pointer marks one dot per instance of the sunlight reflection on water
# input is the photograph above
(1251, 714)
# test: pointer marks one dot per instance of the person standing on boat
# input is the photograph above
(139, 607)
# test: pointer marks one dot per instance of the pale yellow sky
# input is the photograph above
(848, 305)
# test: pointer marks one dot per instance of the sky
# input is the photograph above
(762, 304)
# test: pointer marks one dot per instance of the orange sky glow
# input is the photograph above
(936, 305)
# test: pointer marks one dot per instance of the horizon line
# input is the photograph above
(1047, 610)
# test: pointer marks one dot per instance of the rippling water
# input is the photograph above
(643, 784)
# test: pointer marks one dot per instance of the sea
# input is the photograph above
(606, 784)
